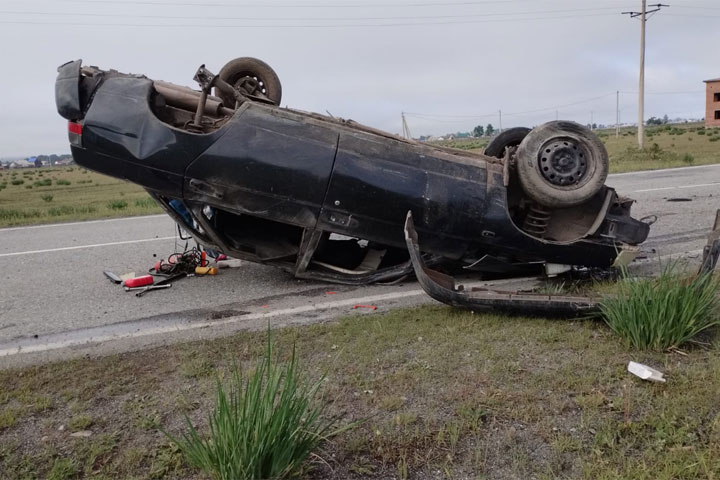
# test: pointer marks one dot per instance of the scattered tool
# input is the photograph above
(140, 291)
(206, 271)
(113, 278)
(139, 281)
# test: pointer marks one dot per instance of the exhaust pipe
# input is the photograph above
(187, 99)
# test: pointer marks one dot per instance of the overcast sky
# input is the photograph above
(451, 64)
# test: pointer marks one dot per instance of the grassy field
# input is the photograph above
(443, 393)
(666, 146)
(45, 195)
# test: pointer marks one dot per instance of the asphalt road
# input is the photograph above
(55, 301)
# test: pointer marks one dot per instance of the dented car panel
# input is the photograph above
(443, 288)
(322, 197)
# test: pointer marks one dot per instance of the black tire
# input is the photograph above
(562, 164)
(507, 138)
(235, 71)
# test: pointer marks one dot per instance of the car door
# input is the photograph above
(378, 179)
(271, 163)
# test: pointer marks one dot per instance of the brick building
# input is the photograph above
(712, 103)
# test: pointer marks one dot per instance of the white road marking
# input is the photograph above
(662, 170)
(195, 325)
(87, 222)
(676, 187)
(77, 247)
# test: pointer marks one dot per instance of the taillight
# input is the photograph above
(75, 133)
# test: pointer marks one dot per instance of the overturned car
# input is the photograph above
(330, 199)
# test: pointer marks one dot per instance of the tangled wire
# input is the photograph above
(179, 263)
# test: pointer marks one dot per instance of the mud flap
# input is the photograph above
(443, 288)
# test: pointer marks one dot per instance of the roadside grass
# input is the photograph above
(666, 146)
(61, 194)
(263, 424)
(443, 393)
(665, 311)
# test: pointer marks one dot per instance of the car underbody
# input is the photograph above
(329, 199)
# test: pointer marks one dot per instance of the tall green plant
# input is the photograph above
(261, 427)
(662, 312)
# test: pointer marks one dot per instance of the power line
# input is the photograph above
(314, 5)
(694, 92)
(195, 17)
(556, 107)
(456, 118)
(344, 25)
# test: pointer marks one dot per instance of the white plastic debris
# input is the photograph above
(645, 372)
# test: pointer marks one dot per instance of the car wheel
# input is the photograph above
(561, 164)
(507, 138)
(252, 76)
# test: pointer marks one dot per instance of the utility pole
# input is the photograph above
(643, 14)
(592, 114)
(405, 128)
(617, 114)
(500, 120)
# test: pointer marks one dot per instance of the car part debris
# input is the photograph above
(711, 251)
(180, 263)
(113, 278)
(645, 372)
(443, 288)
(370, 307)
(325, 198)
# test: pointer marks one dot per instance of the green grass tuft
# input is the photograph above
(43, 183)
(261, 427)
(146, 202)
(663, 312)
(9, 214)
(117, 205)
(62, 469)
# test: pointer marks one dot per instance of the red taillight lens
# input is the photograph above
(75, 128)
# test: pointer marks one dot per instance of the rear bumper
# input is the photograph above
(442, 288)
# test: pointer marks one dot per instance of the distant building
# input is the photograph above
(712, 103)
(21, 164)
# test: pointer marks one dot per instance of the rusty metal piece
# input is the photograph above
(200, 108)
(205, 79)
(711, 252)
(187, 99)
(442, 288)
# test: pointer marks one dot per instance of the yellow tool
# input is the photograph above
(206, 271)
